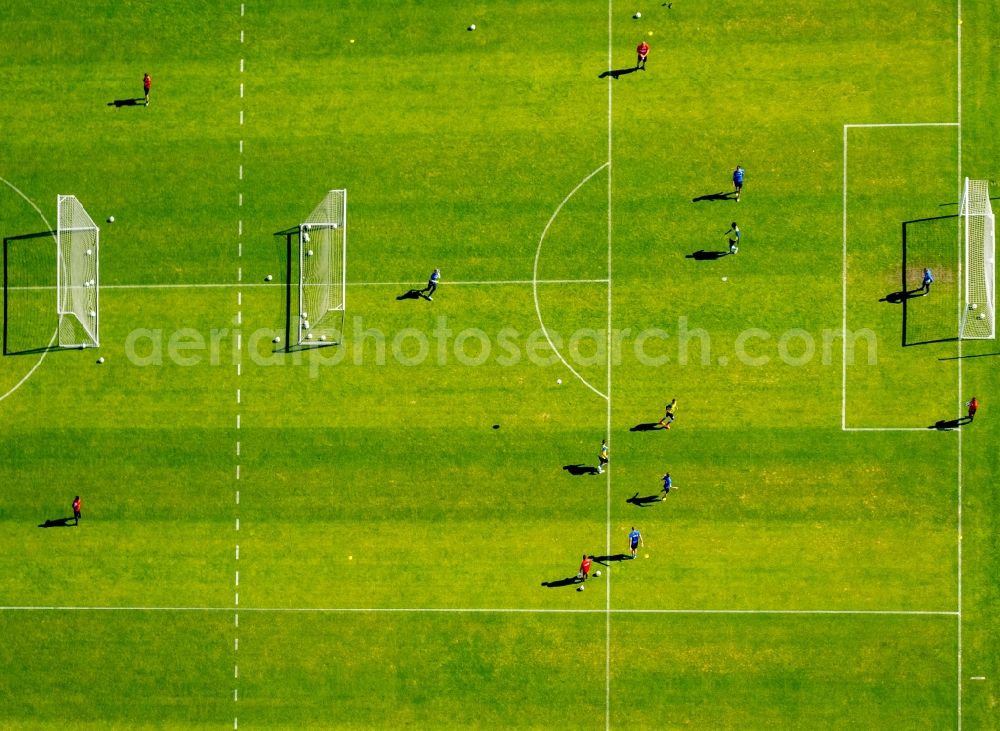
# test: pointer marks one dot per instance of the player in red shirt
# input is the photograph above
(584, 568)
(642, 50)
(76, 509)
(147, 82)
(973, 407)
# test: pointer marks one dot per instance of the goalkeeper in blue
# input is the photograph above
(928, 280)
(738, 174)
(432, 284)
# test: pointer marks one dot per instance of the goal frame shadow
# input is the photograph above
(7, 350)
(905, 294)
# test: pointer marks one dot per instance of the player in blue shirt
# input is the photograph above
(734, 238)
(432, 284)
(925, 285)
(667, 484)
(738, 175)
(634, 540)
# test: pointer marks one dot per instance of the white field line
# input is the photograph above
(535, 281)
(230, 285)
(958, 308)
(55, 332)
(843, 358)
(239, 372)
(902, 124)
(607, 495)
(491, 610)
(894, 428)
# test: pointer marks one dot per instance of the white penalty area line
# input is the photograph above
(902, 124)
(491, 610)
(234, 285)
(843, 377)
(895, 428)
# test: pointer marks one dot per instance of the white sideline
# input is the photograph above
(230, 285)
(489, 610)
(607, 495)
(958, 541)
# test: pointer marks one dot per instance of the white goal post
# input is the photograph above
(322, 267)
(77, 274)
(978, 230)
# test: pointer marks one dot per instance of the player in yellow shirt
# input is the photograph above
(668, 417)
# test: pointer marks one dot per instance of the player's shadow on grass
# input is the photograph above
(580, 469)
(949, 424)
(720, 196)
(643, 502)
(651, 426)
(568, 581)
(702, 255)
(119, 103)
(414, 294)
(58, 523)
(615, 73)
(608, 560)
(896, 298)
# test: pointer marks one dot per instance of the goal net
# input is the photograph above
(979, 314)
(322, 262)
(77, 247)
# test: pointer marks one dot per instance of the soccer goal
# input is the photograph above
(77, 272)
(979, 314)
(322, 263)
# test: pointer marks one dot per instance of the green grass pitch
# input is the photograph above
(376, 534)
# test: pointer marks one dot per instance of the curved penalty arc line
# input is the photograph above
(534, 282)
(55, 332)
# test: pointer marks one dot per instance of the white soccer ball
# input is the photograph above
(101, 359)
(111, 219)
(981, 316)
(310, 252)
(472, 27)
(305, 315)
(305, 237)
(268, 278)
(323, 338)
(306, 227)
(305, 324)
(309, 336)
(335, 226)
(93, 313)
(558, 381)
(637, 15)
(90, 252)
(277, 339)
(974, 306)
(580, 587)
(597, 573)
